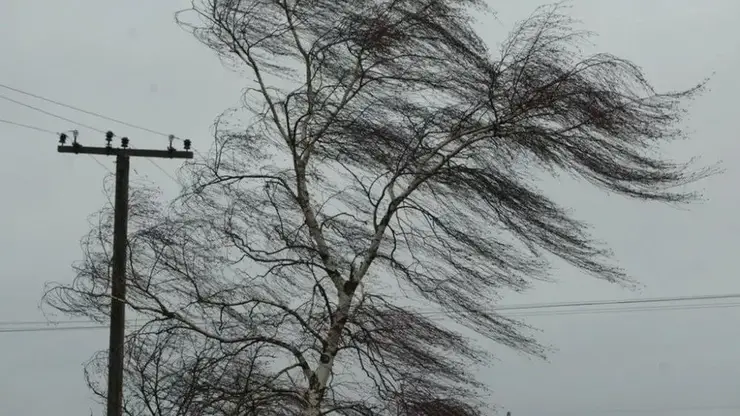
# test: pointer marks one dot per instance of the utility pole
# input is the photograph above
(120, 242)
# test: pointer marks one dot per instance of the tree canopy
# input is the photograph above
(389, 156)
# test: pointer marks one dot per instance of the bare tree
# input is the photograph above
(174, 372)
(389, 156)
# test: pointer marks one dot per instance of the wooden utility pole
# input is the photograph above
(120, 241)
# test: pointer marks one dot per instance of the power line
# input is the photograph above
(108, 169)
(28, 126)
(625, 310)
(92, 113)
(50, 114)
(537, 306)
(42, 329)
(31, 127)
(77, 123)
(620, 302)
(528, 310)
(645, 410)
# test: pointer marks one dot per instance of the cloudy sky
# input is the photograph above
(130, 61)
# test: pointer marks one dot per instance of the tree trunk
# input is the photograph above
(320, 377)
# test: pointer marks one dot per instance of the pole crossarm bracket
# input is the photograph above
(117, 151)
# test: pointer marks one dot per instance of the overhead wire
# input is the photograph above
(525, 310)
(88, 112)
(40, 110)
(622, 301)
(28, 126)
(645, 410)
(624, 310)
(49, 329)
(77, 123)
(36, 128)
(102, 116)
(92, 113)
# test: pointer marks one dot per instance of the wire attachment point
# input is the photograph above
(75, 144)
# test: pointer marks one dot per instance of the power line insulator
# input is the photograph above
(124, 142)
(186, 143)
(171, 148)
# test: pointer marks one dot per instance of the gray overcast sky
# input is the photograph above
(129, 60)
